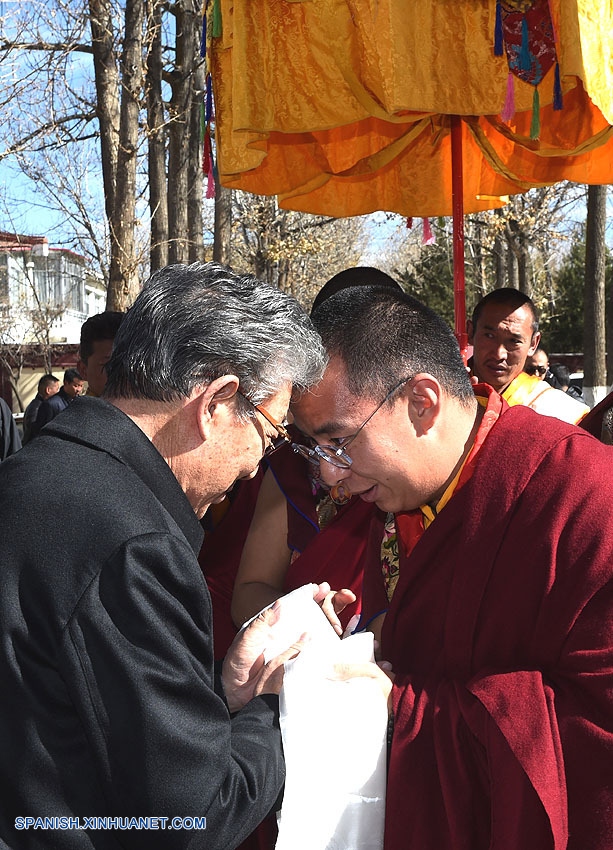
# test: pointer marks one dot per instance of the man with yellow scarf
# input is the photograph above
(504, 332)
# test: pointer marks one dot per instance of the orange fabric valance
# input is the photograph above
(341, 107)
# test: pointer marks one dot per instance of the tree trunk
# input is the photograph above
(179, 132)
(499, 260)
(512, 273)
(123, 283)
(11, 374)
(194, 200)
(107, 95)
(259, 265)
(283, 281)
(480, 274)
(594, 363)
(609, 323)
(158, 198)
(499, 257)
(551, 295)
(222, 239)
(518, 256)
(523, 268)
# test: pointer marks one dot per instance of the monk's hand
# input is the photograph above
(380, 672)
(245, 673)
(332, 602)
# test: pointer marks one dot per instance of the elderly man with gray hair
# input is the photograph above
(112, 715)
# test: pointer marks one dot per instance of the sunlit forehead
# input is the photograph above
(340, 433)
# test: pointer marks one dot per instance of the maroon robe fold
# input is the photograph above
(500, 633)
(220, 557)
(336, 553)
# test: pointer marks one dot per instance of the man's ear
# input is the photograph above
(214, 401)
(536, 338)
(470, 331)
(424, 398)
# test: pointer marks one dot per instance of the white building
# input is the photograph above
(45, 293)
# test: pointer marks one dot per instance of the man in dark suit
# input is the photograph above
(50, 407)
(47, 386)
(111, 706)
(9, 436)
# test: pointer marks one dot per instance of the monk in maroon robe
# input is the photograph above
(301, 533)
(513, 654)
(499, 621)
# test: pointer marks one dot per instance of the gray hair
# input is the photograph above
(192, 324)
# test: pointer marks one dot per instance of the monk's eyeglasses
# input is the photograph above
(282, 437)
(338, 456)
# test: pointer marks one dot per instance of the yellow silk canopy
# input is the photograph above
(341, 107)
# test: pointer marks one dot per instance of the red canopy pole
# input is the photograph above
(457, 189)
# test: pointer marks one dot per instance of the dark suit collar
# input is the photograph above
(99, 424)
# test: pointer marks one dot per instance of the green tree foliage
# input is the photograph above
(429, 275)
(562, 321)
(431, 280)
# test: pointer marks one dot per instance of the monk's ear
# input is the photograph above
(424, 399)
(534, 344)
(215, 404)
(470, 330)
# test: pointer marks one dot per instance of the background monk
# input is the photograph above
(500, 617)
(504, 332)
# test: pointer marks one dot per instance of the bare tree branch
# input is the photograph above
(44, 129)
(46, 46)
